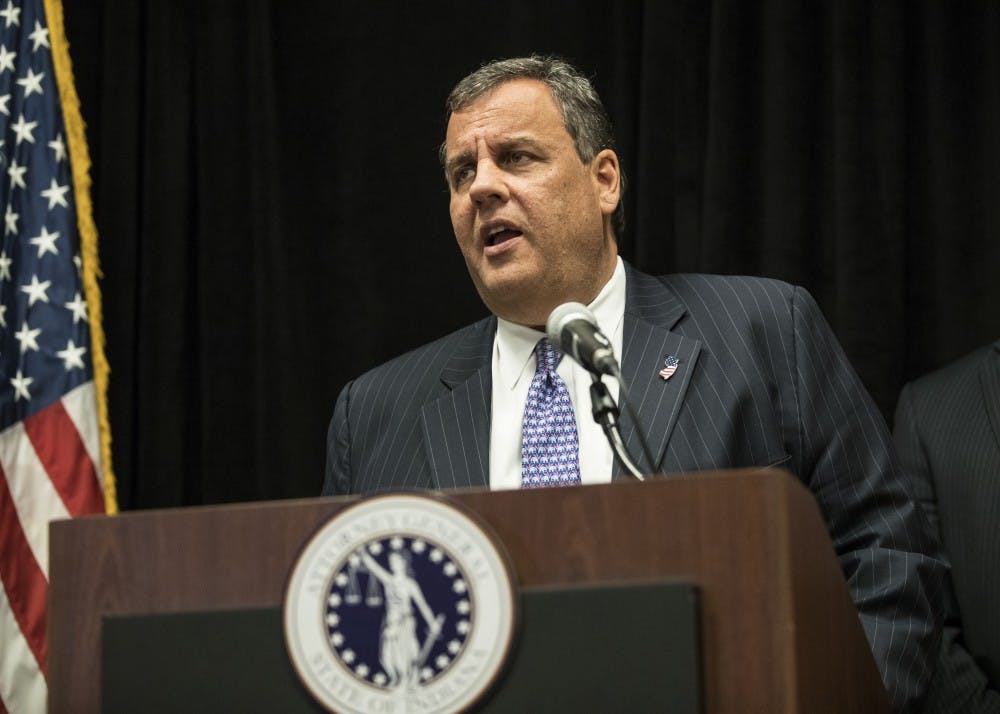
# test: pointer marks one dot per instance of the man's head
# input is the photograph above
(397, 563)
(535, 185)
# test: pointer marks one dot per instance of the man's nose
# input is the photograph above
(489, 183)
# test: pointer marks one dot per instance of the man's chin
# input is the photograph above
(514, 306)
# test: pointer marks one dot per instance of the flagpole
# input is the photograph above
(76, 139)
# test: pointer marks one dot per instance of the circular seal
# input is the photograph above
(400, 603)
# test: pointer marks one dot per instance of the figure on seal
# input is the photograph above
(399, 649)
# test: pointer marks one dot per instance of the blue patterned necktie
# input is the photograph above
(550, 449)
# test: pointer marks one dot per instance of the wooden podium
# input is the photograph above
(778, 630)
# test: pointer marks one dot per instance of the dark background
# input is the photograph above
(273, 220)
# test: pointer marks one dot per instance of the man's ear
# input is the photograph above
(607, 180)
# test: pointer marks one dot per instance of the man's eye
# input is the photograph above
(461, 175)
(518, 157)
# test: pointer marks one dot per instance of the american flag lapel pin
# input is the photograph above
(669, 367)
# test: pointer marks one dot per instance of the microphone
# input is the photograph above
(574, 329)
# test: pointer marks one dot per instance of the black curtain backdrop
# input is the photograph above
(274, 222)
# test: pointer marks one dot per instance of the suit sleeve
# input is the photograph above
(959, 685)
(338, 479)
(881, 537)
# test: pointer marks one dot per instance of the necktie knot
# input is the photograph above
(547, 357)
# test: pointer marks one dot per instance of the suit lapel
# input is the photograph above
(989, 379)
(457, 425)
(651, 310)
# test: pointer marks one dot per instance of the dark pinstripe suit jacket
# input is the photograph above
(762, 381)
(948, 434)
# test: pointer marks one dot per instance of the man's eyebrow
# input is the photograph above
(464, 157)
(518, 142)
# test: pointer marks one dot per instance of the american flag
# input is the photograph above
(50, 440)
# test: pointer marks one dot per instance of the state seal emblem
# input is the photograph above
(399, 603)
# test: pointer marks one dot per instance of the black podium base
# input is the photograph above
(621, 648)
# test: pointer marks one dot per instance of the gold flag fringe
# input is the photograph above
(80, 163)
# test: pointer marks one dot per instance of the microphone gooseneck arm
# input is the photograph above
(606, 414)
(640, 432)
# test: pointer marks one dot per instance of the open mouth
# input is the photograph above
(501, 235)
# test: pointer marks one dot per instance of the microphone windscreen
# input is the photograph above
(563, 315)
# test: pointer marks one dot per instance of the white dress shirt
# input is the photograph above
(513, 370)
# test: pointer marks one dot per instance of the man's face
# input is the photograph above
(532, 220)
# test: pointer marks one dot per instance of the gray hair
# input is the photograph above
(583, 113)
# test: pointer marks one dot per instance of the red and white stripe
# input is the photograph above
(49, 468)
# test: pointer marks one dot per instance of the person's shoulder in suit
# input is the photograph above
(754, 318)
(740, 299)
(725, 287)
(943, 383)
(419, 369)
(933, 418)
(375, 414)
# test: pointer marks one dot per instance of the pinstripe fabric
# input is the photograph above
(761, 381)
(948, 434)
(418, 421)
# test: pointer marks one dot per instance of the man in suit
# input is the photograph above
(948, 434)
(724, 372)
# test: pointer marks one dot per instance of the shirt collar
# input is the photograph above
(515, 344)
